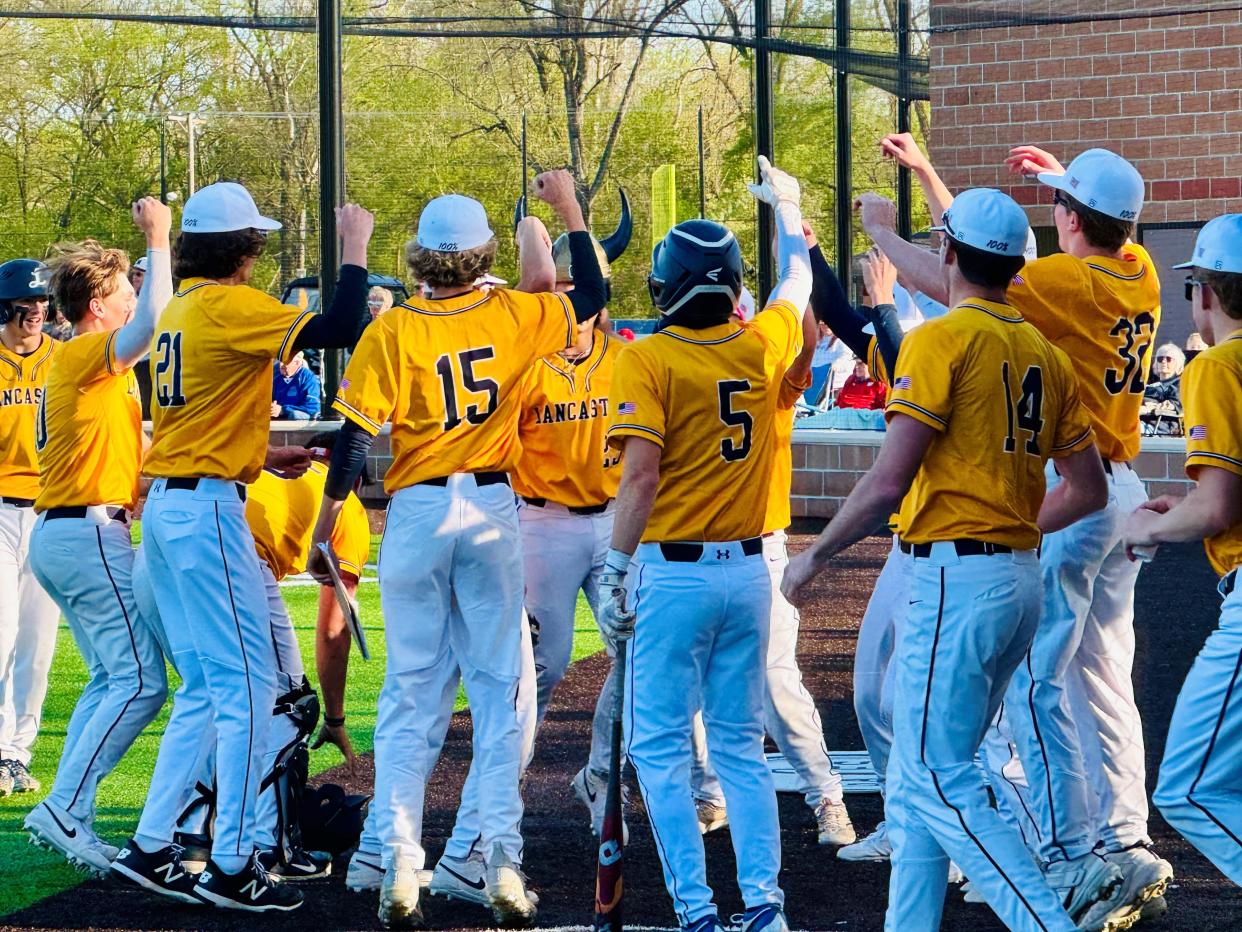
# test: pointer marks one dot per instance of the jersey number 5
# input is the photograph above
(730, 450)
(167, 376)
(465, 362)
(1137, 335)
(1030, 411)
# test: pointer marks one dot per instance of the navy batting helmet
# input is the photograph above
(696, 257)
(20, 279)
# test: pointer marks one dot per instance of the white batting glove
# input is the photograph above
(775, 186)
(615, 620)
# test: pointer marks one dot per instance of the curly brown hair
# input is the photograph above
(1098, 229)
(450, 269)
(216, 255)
(82, 271)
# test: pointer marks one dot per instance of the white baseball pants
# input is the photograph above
(86, 565)
(450, 572)
(1071, 704)
(1200, 786)
(971, 620)
(28, 619)
(563, 554)
(208, 588)
(789, 713)
(699, 643)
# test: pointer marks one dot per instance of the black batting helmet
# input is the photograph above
(20, 279)
(696, 257)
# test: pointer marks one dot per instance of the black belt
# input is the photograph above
(965, 547)
(685, 552)
(189, 485)
(1228, 581)
(572, 509)
(1108, 466)
(18, 502)
(480, 478)
(79, 511)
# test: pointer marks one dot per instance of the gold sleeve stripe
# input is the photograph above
(356, 416)
(1125, 278)
(570, 319)
(110, 351)
(1204, 455)
(638, 427)
(910, 404)
(872, 363)
(302, 320)
(1073, 443)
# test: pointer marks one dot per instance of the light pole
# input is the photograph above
(191, 122)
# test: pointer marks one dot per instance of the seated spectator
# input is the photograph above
(379, 300)
(861, 390)
(1194, 346)
(295, 391)
(831, 354)
(1161, 411)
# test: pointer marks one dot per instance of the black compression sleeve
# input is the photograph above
(338, 326)
(830, 304)
(888, 334)
(349, 455)
(589, 295)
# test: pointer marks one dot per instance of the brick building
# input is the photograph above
(1163, 89)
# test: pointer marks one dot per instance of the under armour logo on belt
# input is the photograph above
(722, 554)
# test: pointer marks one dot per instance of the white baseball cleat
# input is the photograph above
(875, 847)
(970, 894)
(52, 827)
(398, 906)
(506, 892)
(461, 879)
(1089, 888)
(365, 873)
(833, 822)
(768, 918)
(712, 816)
(1145, 875)
(955, 873)
(592, 789)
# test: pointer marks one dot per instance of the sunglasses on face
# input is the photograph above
(1164, 359)
(1191, 284)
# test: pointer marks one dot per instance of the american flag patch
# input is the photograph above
(1198, 432)
(903, 382)
(627, 407)
(344, 384)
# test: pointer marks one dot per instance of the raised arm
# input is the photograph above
(782, 193)
(134, 339)
(917, 266)
(901, 148)
(589, 295)
(880, 275)
(537, 271)
(338, 326)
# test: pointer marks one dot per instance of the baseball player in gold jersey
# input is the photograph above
(980, 401)
(211, 361)
(27, 613)
(1198, 790)
(1072, 711)
(445, 370)
(90, 443)
(695, 411)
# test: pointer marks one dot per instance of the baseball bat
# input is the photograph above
(610, 866)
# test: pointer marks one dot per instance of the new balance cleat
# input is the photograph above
(160, 872)
(249, 890)
(195, 850)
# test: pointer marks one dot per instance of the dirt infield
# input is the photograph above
(1177, 607)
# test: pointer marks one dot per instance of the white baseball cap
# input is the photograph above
(1218, 247)
(223, 207)
(988, 220)
(141, 264)
(453, 223)
(1103, 181)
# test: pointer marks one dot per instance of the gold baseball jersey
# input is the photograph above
(1212, 402)
(563, 429)
(447, 374)
(21, 390)
(282, 514)
(211, 379)
(709, 399)
(782, 463)
(89, 433)
(1003, 400)
(1103, 313)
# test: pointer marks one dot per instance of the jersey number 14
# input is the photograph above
(1029, 414)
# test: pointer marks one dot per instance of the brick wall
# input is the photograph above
(1163, 91)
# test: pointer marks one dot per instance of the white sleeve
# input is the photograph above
(134, 339)
(794, 283)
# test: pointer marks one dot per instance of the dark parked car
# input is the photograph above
(304, 292)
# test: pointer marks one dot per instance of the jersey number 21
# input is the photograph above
(167, 374)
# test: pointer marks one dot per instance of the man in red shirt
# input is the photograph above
(861, 390)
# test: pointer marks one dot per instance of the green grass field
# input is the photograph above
(121, 795)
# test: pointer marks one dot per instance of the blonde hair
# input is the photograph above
(449, 269)
(385, 298)
(81, 272)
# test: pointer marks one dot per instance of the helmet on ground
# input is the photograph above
(20, 280)
(696, 257)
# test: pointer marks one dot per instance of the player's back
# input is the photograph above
(1003, 400)
(709, 398)
(446, 373)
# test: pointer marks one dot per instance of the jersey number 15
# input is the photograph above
(474, 414)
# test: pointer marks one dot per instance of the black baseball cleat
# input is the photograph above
(195, 850)
(159, 872)
(250, 889)
(299, 865)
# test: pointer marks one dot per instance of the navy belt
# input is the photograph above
(189, 485)
(965, 547)
(480, 478)
(18, 502)
(573, 509)
(686, 552)
(79, 511)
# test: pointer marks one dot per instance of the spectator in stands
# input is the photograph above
(861, 390)
(379, 300)
(295, 391)
(137, 273)
(828, 351)
(1194, 346)
(1161, 411)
